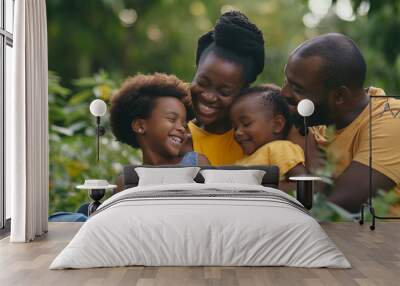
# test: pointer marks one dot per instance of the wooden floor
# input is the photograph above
(375, 257)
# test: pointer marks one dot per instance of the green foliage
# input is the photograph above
(92, 49)
(376, 35)
(72, 141)
(86, 36)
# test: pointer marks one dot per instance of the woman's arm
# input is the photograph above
(203, 161)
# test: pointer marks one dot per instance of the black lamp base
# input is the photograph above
(373, 215)
(96, 195)
(304, 193)
(305, 189)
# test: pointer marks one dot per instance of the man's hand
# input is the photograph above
(352, 186)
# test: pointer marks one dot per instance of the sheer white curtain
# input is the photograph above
(27, 124)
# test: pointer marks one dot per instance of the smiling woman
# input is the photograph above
(229, 58)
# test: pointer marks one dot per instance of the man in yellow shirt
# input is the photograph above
(330, 70)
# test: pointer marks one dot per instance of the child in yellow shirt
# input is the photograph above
(261, 121)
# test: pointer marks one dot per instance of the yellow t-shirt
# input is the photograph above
(352, 142)
(282, 153)
(220, 149)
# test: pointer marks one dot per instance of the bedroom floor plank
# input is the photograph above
(375, 257)
(131, 276)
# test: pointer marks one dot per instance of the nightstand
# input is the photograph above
(305, 189)
(96, 190)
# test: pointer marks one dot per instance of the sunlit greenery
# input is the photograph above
(72, 141)
(95, 44)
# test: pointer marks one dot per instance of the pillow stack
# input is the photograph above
(165, 176)
(184, 175)
(248, 177)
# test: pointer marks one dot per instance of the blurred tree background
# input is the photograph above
(94, 44)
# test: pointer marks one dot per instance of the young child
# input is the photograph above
(261, 121)
(148, 113)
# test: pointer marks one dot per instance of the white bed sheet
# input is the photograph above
(200, 231)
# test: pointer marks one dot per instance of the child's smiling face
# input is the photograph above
(254, 123)
(165, 130)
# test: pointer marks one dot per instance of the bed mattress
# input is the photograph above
(201, 225)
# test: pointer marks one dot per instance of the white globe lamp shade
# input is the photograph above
(98, 107)
(305, 107)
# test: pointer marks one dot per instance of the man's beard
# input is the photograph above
(320, 117)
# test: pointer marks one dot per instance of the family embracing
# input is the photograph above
(221, 118)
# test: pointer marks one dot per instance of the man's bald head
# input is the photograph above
(343, 63)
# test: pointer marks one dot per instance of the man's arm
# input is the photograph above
(352, 186)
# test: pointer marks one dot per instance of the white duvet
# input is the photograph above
(224, 225)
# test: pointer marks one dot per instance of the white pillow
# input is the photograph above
(248, 177)
(163, 176)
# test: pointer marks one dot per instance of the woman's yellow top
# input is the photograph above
(220, 149)
(282, 153)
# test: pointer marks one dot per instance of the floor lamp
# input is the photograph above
(305, 183)
(97, 188)
(369, 203)
(98, 108)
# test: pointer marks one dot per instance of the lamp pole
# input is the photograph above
(369, 204)
(305, 108)
(305, 184)
(306, 145)
(98, 108)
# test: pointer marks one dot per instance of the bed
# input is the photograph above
(201, 224)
